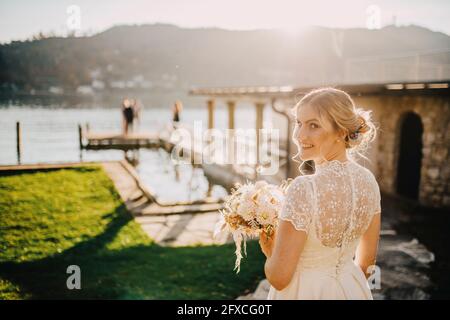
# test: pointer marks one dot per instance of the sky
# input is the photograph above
(20, 19)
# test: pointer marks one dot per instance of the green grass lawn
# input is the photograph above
(50, 220)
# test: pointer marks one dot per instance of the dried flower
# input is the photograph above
(250, 210)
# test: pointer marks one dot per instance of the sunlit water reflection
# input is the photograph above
(50, 135)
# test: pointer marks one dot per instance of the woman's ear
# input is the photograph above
(342, 134)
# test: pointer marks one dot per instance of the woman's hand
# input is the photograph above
(267, 243)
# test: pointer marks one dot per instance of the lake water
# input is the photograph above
(50, 135)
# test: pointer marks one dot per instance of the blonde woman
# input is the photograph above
(329, 226)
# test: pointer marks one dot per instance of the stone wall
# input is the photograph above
(434, 112)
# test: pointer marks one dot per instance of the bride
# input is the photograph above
(328, 233)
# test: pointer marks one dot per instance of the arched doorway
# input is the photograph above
(410, 156)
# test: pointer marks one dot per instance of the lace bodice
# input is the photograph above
(334, 206)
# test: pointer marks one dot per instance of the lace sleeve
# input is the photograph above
(297, 207)
(376, 208)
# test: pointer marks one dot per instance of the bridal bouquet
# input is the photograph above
(251, 209)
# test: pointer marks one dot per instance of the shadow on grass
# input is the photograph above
(137, 272)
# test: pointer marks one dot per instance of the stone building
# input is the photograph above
(411, 155)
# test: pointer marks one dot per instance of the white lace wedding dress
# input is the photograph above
(334, 206)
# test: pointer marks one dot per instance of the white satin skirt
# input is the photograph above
(347, 283)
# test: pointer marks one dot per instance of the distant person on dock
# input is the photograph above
(136, 106)
(128, 115)
(177, 108)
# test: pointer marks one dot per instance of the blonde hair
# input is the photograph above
(338, 108)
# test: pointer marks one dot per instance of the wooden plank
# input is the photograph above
(47, 166)
(151, 195)
(115, 135)
(155, 209)
(114, 140)
(123, 147)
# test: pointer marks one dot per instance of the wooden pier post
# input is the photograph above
(230, 138)
(231, 109)
(18, 142)
(258, 126)
(210, 114)
(80, 136)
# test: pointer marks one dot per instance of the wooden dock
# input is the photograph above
(113, 140)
